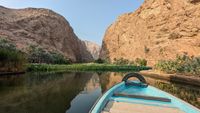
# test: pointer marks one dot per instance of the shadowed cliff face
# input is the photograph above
(43, 28)
(159, 29)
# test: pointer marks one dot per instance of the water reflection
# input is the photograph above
(42, 93)
(86, 98)
(69, 92)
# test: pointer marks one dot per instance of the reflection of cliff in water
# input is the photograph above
(92, 84)
(109, 79)
(41, 93)
(104, 80)
(84, 101)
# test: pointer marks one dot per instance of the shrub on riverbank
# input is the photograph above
(11, 59)
(182, 64)
(123, 61)
(138, 62)
(38, 55)
(14, 60)
(100, 61)
(141, 62)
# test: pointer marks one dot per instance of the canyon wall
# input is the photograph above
(43, 28)
(158, 30)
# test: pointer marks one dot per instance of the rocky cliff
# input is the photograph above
(159, 29)
(93, 48)
(43, 28)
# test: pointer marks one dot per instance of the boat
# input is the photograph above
(137, 96)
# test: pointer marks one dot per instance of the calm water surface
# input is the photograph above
(70, 92)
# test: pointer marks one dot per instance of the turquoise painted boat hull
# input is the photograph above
(149, 91)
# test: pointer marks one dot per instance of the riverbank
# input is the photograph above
(177, 78)
(95, 67)
(86, 67)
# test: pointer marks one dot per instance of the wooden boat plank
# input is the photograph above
(122, 107)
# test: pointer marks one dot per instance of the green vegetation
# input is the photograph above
(14, 60)
(37, 59)
(11, 59)
(100, 61)
(86, 67)
(38, 55)
(137, 62)
(141, 62)
(123, 61)
(182, 64)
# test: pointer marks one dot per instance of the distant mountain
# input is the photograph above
(43, 28)
(92, 48)
(158, 30)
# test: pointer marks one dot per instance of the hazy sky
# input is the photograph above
(89, 18)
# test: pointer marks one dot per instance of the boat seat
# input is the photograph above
(122, 107)
(142, 97)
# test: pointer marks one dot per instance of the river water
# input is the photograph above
(70, 92)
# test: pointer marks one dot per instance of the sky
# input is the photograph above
(88, 18)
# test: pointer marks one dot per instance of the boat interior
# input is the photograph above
(137, 100)
(124, 107)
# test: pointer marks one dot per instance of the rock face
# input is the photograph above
(93, 48)
(43, 28)
(159, 29)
